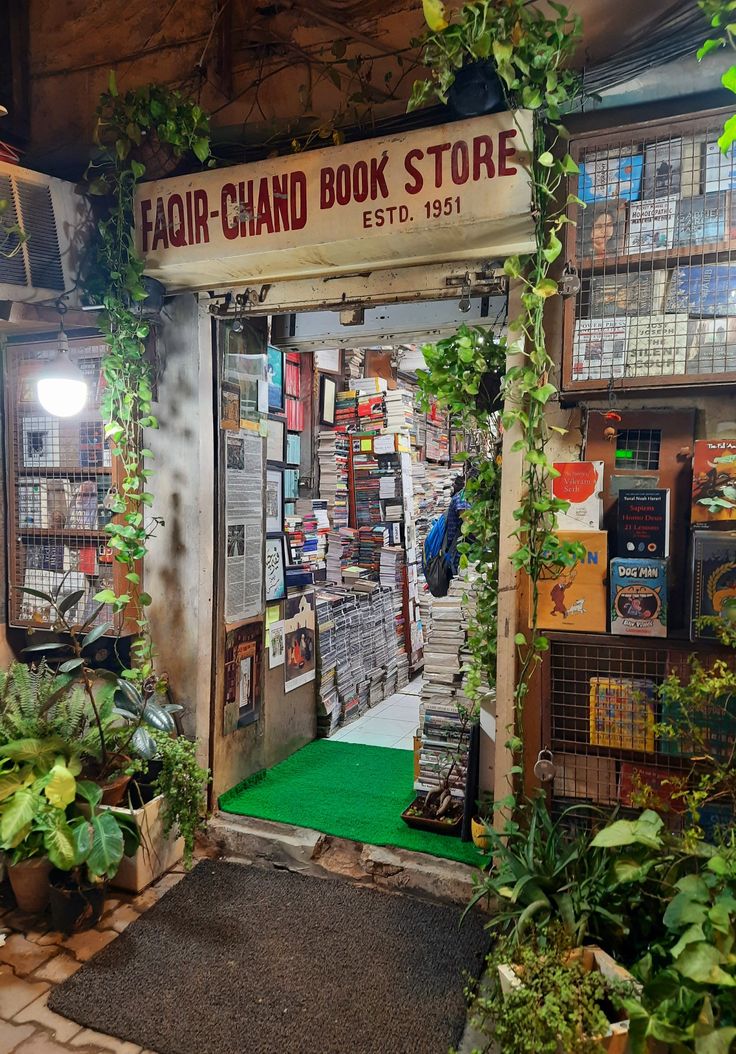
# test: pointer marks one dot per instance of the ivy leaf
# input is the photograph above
(546, 159)
(726, 139)
(544, 393)
(546, 288)
(434, 14)
(718, 1042)
(553, 249)
(728, 80)
(708, 46)
(201, 148)
(570, 167)
(531, 97)
(112, 84)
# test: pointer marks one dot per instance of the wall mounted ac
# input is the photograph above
(56, 221)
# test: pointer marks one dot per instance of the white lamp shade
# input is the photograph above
(61, 387)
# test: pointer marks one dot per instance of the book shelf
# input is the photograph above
(61, 477)
(655, 251)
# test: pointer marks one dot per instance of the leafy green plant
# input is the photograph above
(101, 837)
(722, 16)
(183, 782)
(115, 281)
(12, 235)
(689, 968)
(557, 1004)
(528, 49)
(543, 877)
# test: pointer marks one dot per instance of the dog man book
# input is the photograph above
(639, 597)
(574, 598)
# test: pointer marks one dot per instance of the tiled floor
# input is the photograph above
(390, 724)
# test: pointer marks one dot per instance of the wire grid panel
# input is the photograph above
(653, 248)
(605, 716)
(61, 483)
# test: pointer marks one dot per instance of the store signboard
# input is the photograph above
(452, 192)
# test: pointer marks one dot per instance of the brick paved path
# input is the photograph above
(34, 958)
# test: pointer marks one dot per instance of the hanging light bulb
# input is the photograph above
(61, 387)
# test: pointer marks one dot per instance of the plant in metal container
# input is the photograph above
(441, 810)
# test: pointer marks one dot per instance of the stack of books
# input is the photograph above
(346, 411)
(399, 411)
(332, 455)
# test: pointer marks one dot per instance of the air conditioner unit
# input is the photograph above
(56, 222)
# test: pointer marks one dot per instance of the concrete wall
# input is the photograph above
(179, 569)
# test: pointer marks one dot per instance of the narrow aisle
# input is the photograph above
(390, 724)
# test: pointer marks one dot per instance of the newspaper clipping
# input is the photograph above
(244, 519)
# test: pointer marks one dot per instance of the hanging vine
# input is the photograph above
(530, 52)
(141, 124)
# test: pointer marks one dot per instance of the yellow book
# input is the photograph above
(575, 598)
(622, 713)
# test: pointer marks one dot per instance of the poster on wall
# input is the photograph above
(274, 500)
(276, 652)
(243, 663)
(275, 373)
(275, 567)
(299, 640)
(243, 526)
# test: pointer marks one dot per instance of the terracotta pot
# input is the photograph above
(114, 790)
(428, 823)
(30, 883)
(481, 839)
(75, 906)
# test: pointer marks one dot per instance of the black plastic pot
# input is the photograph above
(75, 906)
(141, 789)
(488, 398)
(476, 90)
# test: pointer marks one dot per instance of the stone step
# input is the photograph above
(267, 844)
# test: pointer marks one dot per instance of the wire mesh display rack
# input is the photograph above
(654, 250)
(62, 478)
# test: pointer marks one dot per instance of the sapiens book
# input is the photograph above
(651, 225)
(703, 289)
(581, 484)
(599, 349)
(638, 597)
(610, 175)
(643, 523)
(656, 345)
(720, 168)
(713, 579)
(662, 168)
(622, 713)
(714, 482)
(574, 598)
(639, 293)
(701, 220)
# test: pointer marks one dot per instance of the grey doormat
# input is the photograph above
(240, 960)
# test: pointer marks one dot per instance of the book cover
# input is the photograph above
(651, 225)
(83, 506)
(574, 598)
(44, 557)
(648, 785)
(41, 443)
(581, 484)
(662, 168)
(627, 294)
(601, 230)
(622, 713)
(585, 776)
(711, 345)
(32, 507)
(707, 289)
(656, 345)
(719, 168)
(599, 348)
(701, 219)
(639, 597)
(643, 523)
(609, 175)
(692, 165)
(714, 482)
(91, 444)
(713, 579)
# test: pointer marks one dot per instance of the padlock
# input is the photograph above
(544, 768)
(569, 284)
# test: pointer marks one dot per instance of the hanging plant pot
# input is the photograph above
(476, 90)
(75, 905)
(29, 881)
(488, 398)
(158, 157)
(153, 305)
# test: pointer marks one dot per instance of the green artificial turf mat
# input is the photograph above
(346, 789)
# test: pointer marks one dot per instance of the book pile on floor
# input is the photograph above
(399, 411)
(445, 740)
(314, 548)
(332, 456)
(346, 410)
(328, 703)
(342, 550)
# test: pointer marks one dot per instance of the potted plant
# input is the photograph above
(37, 783)
(100, 839)
(555, 998)
(480, 823)
(441, 811)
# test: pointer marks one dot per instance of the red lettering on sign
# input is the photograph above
(483, 155)
(280, 202)
(201, 210)
(264, 209)
(505, 151)
(228, 198)
(342, 184)
(378, 177)
(175, 216)
(360, 181)
(159, 227)
(436, 152)
(417, 179)
(326, 188)
(146, 226)
(298, 201)
(460, 162)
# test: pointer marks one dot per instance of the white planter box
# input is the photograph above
(156, 853)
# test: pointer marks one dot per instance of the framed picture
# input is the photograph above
(275, 567)
(275, 373)
(328, 360)
(276, 440)
(274, 500)
(230, 405)
(299, 640)
(244, 658)
(327, 392)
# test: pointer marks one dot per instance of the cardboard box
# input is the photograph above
(156, 853)
(585, 776)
